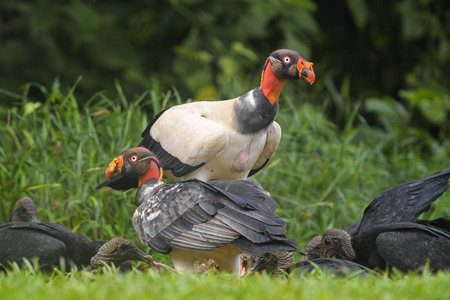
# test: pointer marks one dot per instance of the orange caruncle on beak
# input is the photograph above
(116, 163)
(160, 174)
(306, 71)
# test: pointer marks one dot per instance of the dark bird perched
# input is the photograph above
(24, 211)
(194, 221)
(389, 232)
(280, 262)
(47, 241)
(229, 139)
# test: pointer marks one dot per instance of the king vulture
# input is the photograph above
(230, 139)
(192, 220)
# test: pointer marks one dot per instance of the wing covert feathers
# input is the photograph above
(195, 215)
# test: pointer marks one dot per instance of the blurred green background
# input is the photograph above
(377, 115)
(211, 49)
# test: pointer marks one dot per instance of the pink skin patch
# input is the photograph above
(241, 163)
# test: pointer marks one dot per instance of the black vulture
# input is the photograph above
(49, 242)
(195, 221)
(118, 250)
(314, 259)
(390, 233)
(273, 263)
(277, 262)
(312, 249)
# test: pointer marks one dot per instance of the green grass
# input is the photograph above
(322, 176)
(135, 285)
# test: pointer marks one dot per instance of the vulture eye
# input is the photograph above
(134, 158)
(286, 59)
(327, 241)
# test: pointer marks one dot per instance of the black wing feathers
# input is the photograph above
(242, 192)
(254, 171)
(270, 247)
(404, 202)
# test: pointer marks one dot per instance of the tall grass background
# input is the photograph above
(322, 175)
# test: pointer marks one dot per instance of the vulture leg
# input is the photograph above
(183, 260)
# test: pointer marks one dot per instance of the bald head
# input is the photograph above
(24, 211)
(118, 250)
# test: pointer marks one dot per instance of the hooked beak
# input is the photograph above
(138, 254)
(306, 71)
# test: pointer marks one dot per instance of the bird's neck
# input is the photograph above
(253, 112)
(148, 189)
(154, 171)
(271, 84)
(258, 108)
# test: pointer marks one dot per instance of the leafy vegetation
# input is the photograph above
(204, 48)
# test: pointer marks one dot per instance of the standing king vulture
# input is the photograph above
(192, 220)
(230, 139)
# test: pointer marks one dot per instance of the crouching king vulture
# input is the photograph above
(230, 139)
(192, 220)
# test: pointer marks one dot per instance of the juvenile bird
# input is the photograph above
(119, 250)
